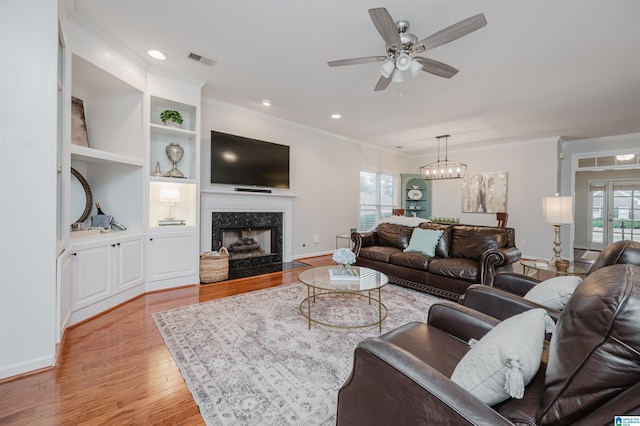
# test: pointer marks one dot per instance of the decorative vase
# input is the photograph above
(562, 265)
(174, 153)
(170, 123)
(345, 268)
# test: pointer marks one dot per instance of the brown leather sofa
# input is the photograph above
(590, 371)
(465, 255)
(505, 298)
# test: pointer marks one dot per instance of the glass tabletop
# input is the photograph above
(368, 279)
(573, 269)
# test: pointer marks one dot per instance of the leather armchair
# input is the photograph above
(505, 298)
(590, 371)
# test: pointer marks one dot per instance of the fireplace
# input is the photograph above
(252, 238)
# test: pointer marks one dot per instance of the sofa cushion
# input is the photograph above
(594, 354)
(442, 249)
(555, 292)
(470, 242)
(504, 361)
(424, 241)
(378, 253)
(413, 260)
(393, 235)
(462, 269)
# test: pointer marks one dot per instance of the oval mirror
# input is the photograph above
(81, 198)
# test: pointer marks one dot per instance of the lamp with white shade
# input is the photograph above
(557, 211)
(170, 196)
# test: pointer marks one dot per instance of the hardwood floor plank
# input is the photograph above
(115, 369)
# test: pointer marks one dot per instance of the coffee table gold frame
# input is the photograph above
(319, 284)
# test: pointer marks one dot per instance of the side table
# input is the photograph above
(573, 269)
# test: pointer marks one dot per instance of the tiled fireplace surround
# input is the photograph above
(245, 202)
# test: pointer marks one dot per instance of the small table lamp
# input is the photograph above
(558, 211)
(170, 196)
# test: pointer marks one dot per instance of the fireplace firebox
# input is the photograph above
(252, 238)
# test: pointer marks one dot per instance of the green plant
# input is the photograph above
(171, 115)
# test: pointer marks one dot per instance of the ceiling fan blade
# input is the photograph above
(385, 25)
(382, 83)
(454, 32)
(356, 61)
(436, 68)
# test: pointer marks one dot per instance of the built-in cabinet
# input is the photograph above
(174, 202)
(125, 139)
(416, 196)
(106, 271)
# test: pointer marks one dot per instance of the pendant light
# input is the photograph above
(443, 169)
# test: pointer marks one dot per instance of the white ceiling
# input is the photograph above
(540, 68)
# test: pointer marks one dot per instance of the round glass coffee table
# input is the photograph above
(319, 285)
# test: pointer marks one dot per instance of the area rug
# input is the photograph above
(251, 359)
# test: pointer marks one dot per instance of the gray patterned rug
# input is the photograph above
(251, 359)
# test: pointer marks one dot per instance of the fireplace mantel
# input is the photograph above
(232, 201)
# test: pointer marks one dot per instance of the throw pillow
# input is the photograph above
(424, 241)
(504, 361)
(555, 292)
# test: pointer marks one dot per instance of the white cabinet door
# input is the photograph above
(172, 255)
(129, 264)
(92, 269)
(63, 296)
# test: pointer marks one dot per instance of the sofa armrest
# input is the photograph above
(460, 321)
(389, 385)
(514, 283)
(498, 303)
(363, 239)
(493, 259)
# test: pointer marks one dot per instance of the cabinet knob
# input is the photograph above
(150, 239)
(113, 245)
(74, 254)
(118, 244)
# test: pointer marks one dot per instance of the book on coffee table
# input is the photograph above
(343, 275)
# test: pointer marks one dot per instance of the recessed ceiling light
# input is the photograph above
(156, 54)
(336, 116)
(266, 102)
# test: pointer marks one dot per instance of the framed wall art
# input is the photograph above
(484, 192)
(78, 124)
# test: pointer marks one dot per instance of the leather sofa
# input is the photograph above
(464, 255)
(589, 373)
(505, 298)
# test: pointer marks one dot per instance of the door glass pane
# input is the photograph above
(626, 199)
(597, 214)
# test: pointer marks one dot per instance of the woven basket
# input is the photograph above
(214, 268)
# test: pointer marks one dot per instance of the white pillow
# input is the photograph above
(554, 293)
(504, 361)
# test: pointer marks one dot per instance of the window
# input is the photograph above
(377, 197)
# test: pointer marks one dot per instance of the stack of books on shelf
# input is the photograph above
(171, 222)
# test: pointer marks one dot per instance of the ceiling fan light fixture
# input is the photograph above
(403, 62)
(398, 76)
(415, 67)
(387, 68)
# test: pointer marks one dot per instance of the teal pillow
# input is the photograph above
(424, 241)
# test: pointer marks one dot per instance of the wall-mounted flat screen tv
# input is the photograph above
(236, 160)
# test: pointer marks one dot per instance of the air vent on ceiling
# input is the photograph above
(201, 59)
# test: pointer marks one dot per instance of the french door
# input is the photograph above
(614, 209)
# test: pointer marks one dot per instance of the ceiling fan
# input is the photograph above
(403, 47)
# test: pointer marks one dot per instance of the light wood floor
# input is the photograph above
(116, 370)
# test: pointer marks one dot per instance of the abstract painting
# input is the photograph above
(484, 192)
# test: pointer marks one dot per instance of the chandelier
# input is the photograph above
(443, 169)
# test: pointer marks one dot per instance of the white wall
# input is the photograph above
(28, 187)
(531, 175)
(324, 171)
